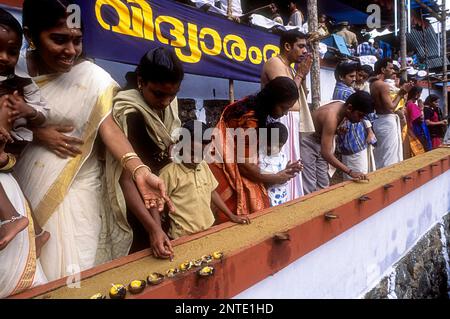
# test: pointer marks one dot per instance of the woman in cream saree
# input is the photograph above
(66, 194)
(19, 269)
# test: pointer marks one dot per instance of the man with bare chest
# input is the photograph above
(387, 129)
(293, 49)
(318, 147)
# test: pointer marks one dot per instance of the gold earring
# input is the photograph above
(31, 47)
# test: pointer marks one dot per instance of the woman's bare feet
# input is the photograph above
(10, 229)
(40, 241)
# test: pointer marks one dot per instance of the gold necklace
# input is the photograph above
(288, 66)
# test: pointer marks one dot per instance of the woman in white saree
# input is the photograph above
(61, 172)
(19, 268)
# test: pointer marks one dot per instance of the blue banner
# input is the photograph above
(124, 30)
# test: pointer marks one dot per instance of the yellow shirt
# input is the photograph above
(190, 191)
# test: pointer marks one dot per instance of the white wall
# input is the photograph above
(354, 262)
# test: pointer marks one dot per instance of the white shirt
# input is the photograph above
(272, 164)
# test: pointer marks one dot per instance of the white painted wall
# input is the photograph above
(354, 262)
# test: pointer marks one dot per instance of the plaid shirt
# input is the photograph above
(354, 136)
(342, 91)
(365, 49)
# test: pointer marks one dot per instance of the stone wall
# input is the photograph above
(213, 109)
(423, 272)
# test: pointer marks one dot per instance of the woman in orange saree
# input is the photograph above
(236, 139)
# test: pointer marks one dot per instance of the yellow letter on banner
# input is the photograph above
(122, 11)
(196, 54)
(137, 22)
(177, 31)
(145, 13)
(239, 43)
(257, 59)
(217, 48)
(270, 47)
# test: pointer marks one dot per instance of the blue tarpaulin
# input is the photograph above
(342, 12)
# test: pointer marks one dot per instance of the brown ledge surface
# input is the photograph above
(251, 254)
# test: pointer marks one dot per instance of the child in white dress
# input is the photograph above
(272, 160)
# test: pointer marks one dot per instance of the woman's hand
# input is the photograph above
(284, 176)
(291, 170)
(295, 167)
(160, 245)
(153, 190)
(52, 137)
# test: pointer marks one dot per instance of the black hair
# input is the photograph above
(366, 37)
(361, 101)
(291, 37)
(380, 64)
(41, 15)
(159, 65)
(275, 5)
(366, 69)
(277, 128)
(344, 68)
(8, 20)
(279, 90)
(191, 125)
(430, 99)
(414, 91)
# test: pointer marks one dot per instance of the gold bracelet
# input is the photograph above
(139, 167)
(35, 116)
(11, 163)
(129, 159)
(126, 158)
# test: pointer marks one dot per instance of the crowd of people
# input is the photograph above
(88, 171)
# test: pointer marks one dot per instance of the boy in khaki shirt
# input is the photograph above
(191, 187)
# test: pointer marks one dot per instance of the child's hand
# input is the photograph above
(4, 138)
(18, 107)
(371, 138)
(240, 219)
(160, 245)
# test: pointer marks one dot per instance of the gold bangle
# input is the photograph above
(35, 116)
(139, 167)
(11, 163)
(126, 158)
(129, 159)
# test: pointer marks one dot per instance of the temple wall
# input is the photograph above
(350, 265)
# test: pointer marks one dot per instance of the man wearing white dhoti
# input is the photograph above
(389, 148)
(298, 121)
